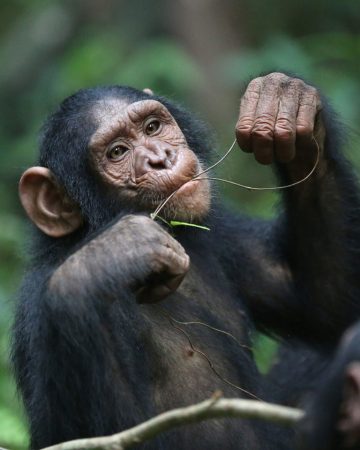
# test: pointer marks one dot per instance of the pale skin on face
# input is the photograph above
(139, 149)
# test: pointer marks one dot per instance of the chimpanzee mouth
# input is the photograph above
(166, 182)
(188, 187)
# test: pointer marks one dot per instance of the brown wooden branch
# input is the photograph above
(213, 408)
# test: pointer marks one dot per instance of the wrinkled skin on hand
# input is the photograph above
(165, 260)
(279, 115)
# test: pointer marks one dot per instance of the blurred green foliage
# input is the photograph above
(50, 49)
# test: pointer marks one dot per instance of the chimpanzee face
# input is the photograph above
(138, 153)
(139, 150)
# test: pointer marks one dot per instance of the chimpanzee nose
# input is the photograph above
(155, 157)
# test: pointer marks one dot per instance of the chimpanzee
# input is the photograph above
(332, 421)
(119, 315)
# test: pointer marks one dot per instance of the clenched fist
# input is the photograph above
(159, 263)
(278, 115)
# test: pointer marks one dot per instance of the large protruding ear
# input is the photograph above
(47, 204)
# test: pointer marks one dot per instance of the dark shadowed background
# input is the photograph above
(198, 52)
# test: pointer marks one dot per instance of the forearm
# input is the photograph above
(134, 259)
(80, 279)
(314, 245)
(98, 270)
(319, 236)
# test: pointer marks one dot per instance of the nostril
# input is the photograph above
(158, 165)
(154, 158)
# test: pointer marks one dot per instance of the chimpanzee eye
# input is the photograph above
(115, 153)
(152, 126)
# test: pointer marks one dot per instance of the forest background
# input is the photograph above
(198, 52)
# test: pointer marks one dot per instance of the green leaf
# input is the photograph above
(175, 223)
(264, 350)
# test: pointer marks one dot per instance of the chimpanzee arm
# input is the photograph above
(133, 252)
(319, 235)
(307, 264)
(69, 353)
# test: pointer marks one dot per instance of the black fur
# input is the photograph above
(319, 428)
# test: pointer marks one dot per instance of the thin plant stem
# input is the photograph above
(211, 365)
(218, 330)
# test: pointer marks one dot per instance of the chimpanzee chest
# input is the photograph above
(197, 344)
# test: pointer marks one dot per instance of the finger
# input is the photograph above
(175, 247)
(176, 262)
(262, 133)
(307, 125)
(159, 285)
(248, 107)
(163, 290)
(309, 106)
(285, 126)
(156, 292)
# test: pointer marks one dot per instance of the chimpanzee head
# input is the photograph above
(115, 150)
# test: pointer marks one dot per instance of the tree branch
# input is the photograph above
(213, 408)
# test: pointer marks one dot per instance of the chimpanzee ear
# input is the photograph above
(349, 421)
(46, 203)
(148, 91)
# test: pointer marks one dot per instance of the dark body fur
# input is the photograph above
(320, 429)
(91, 361)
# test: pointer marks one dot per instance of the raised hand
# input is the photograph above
(278, 116)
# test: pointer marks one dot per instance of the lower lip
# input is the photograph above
(188, 188)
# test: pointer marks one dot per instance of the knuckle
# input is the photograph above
(180, 249)
(276, 77)
(284, 130)
(186, 262)
(254, 85)
(294, 86)
(262, 134)
(156, 256)
(313, 94)
(173, 245)
(312, 91)
(182, 265)
(284, 134)
(251, 96)
(170, 260)
(284, 122)
(263, 124)
(265, 118)
(297, 82)
(244, 125)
